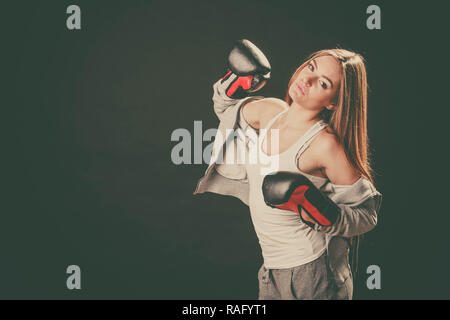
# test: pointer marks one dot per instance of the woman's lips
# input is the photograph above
(300, 88)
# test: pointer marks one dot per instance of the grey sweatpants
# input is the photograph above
(311, 281)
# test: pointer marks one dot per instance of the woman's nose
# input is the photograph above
(306, 82)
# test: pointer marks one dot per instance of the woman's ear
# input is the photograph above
(331, 106)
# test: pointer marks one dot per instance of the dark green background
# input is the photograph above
(88, 115)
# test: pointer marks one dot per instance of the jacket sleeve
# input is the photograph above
(221, 101)
(229, 112)
(230, 129)
(225, 107)
(359, 206)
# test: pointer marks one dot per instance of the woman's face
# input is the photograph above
(317, 83)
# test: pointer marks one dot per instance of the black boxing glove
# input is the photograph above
(293, 191)
(249, 70)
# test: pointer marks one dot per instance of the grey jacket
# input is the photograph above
(359, 203)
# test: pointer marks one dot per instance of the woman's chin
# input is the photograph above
(298, 100)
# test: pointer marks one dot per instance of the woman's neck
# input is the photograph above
(299, 117)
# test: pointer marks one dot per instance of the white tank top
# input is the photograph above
(285, 240)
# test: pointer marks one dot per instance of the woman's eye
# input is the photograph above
(311, 67)
(323, 84)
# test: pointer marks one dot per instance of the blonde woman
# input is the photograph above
(321, 131)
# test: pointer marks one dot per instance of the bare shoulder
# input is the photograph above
(327, 142)
(273, 106)
(332, 157)
(256, 112)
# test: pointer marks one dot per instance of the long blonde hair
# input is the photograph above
(349, 119)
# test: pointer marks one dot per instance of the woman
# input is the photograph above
(321, 130)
